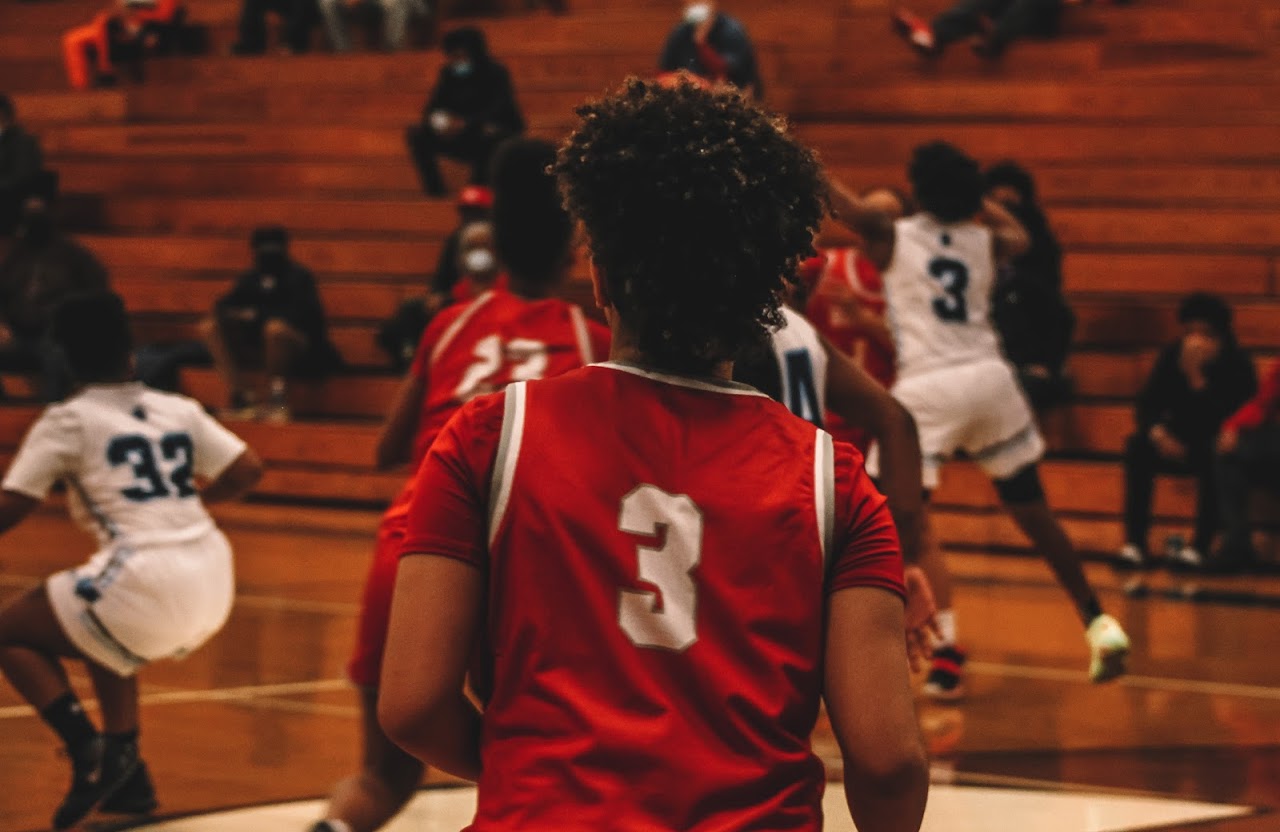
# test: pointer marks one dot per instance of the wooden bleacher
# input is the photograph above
(1154, 132)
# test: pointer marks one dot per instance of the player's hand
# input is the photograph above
(1228, 440)
(1166, 445)
(922, 627)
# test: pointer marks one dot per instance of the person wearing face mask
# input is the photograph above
(471, 111)
(1198, 381)
(710, 44)
(477, 263)
(20, 165)
(42, 269)
(271, 318)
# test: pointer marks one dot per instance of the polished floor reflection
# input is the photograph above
(262, 715)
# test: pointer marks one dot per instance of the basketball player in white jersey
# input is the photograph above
(138, 466)
(939, 270)
(805, 371)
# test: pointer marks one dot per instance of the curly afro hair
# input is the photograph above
(532, 231)
(93, 331)
(698, 207)
(946, 181)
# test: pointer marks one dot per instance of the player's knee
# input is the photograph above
(1022, 487)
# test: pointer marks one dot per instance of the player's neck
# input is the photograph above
(624, 350)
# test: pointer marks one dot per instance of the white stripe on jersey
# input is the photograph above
(504, 464)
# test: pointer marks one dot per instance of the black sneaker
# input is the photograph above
(945, 682)
(136, 796)
(97, 772)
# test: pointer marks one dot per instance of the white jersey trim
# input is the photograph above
(504, 463)
(710, 385)
(824, 491)
(583, 334)
(454, 328)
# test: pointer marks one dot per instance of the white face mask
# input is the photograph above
(479, 261)
(697, 13)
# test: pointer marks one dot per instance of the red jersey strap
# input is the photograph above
(824, 492)
(458, 323)
(504, 463)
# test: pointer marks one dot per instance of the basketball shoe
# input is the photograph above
(1109, 647)
(945, 682)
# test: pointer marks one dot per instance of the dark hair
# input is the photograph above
(6, 107)
(1012, 175)
(531, 229)
(698, 206)
(467, 39)
(269, 237)
(93, 331)
(1207, 308)
(946, 182)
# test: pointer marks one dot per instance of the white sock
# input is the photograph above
(947, 626)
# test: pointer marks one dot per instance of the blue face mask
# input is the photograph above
(462, 69)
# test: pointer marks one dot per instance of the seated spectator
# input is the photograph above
(88, 50)
(478, 267)
(1029, 309)
(992, 25)
(1197, 382)
(712, 45)
(297, 16)
(395, 21)
(1248, 458)
(272, 319)
(20, 165)
(471, 111)
(475, 204)
(42, 269)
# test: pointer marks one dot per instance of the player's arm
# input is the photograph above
(236, 479)
(874, 226)
(869, 702)
(14, 508)
(1010, 239)
(859, 399)
(435, 618)
(395, 442)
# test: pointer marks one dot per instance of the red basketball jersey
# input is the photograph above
(479, 347)
(658, 551)
(838, 273)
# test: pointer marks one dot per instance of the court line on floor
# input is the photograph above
(245, 692)
(1055, 674)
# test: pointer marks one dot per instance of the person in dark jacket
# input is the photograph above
(1197, 382)
(992, 25)
(20, 165)
(1029, 309)
(42, 269)
(712, 45)
(271, 318)
(471, 111)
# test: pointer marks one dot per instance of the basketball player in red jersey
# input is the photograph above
(654, 574)
(468, 350)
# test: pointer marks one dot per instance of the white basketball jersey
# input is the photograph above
(130, 457)
(802, 367)
(938, 288)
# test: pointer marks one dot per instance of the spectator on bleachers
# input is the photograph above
(395, 21)
(43, 268)
(1029, 309)
(1197, 382)
(297, 16)
(471, 111)
(712, 45)
(273, 319)
(88, 50)
(20, 165)
(475, 204)
(1248, 458)
(991, 24)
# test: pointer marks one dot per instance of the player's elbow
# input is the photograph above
(890, 786)
(409, 721)
(894, 766)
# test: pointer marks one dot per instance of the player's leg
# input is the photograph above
(1023, 496)
(945, 681)
(121, 757)
(214, 331)
(282, 346)
(387, 779)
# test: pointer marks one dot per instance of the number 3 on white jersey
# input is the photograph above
(647, 510)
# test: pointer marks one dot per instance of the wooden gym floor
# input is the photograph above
(263, 715)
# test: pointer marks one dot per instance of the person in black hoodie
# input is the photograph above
(1197, 382)
(272, 317)
(1029, 309)
(472, 110)
(20, 165)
